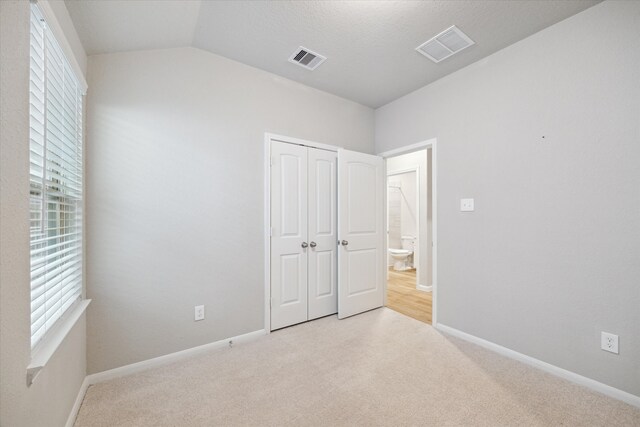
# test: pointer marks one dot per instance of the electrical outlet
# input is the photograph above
(609, 342)
(199, 313)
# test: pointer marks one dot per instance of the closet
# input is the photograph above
(303, 241)
(325, 231)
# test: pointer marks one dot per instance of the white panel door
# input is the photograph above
(360, 230)
(323, 298)
(289, 234)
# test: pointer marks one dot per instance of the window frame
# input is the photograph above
(62, 187)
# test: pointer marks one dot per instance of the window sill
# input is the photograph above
(40, 357)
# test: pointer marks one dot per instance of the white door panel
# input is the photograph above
(360, 229)
(289, 214)
(323, 298)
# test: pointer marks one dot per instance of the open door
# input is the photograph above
(360, 233)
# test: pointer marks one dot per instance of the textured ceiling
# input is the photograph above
(107, 26)
(369, 45)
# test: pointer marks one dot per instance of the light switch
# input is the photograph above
(466, 205)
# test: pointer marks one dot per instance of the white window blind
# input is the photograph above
(55, 181)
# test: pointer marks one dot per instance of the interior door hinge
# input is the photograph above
(270, 161)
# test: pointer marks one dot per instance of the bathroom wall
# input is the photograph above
(403, 209)
(394, 215)
(545, 135)
(418, 160)
(409, 205)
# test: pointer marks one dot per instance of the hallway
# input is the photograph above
(403, 297)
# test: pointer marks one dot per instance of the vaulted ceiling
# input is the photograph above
(369, 45)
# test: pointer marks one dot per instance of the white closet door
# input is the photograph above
(289, 238)
(323, 298)
(360, 230)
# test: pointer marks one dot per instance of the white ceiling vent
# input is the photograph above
(306, 58)
(445, 44)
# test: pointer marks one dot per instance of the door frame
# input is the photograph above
(430, 143)
(268, 139)
(416, 250)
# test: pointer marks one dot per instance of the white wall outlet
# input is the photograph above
(466, 205)
(199, 313)
(609, 342)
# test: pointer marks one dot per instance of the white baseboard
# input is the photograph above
(76, 405)
(153, 363)
(594, 385)
(169, 358)
(424, 288)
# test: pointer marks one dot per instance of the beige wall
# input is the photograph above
(175, 152)
(49, 400)
(545, 135)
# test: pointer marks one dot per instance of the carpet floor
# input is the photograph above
(376, 369)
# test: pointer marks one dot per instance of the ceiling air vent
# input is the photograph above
(445, 44)
(306, 58)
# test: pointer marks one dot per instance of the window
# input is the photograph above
(55, 180)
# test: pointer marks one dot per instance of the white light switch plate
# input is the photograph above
(466, 205)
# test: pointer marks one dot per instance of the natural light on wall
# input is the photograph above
(55, 181)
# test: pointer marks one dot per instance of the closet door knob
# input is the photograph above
(313, 244)
(304, 245)
(345, 243)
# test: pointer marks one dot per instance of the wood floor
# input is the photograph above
(403, 297)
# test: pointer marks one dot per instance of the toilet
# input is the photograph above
(402, 258)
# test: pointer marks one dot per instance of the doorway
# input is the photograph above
(410, 209)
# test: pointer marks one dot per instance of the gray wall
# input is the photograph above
(49, 400)
(545, 135)
(176, 191)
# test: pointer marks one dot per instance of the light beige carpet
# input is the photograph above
(378, 368)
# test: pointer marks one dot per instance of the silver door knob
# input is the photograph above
(344, 243)
(304, 244)
(313, 244)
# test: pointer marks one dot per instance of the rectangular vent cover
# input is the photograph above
(306, 58)
(445, 44)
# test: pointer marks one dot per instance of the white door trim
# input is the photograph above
(290, 140)
(268, 137)
(430, 143)
(416, 250)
